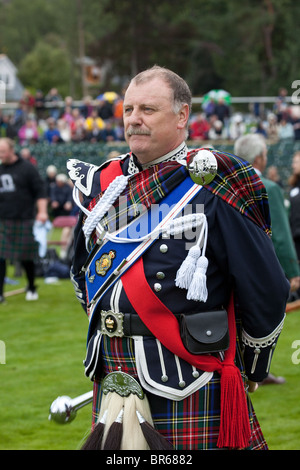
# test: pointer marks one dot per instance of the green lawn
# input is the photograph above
(45, 347)
(277, 406)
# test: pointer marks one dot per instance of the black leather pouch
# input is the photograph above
(205, 332)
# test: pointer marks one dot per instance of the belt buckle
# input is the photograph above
(112, 323)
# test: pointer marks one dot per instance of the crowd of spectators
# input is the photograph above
(54, 119)
(278, 122)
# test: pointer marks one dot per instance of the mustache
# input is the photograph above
(136, 131)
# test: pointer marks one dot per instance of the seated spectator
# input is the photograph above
(26, 154)
(209, 108)
(285, 129)
(68, 102)
(52, 134)
(281, 105)
(50, 181)
(272, 127)
(199, 128)
(61, 204)
(217, 130)
(118, 109)
(119, 129)
(105, 110)
(94, 135)
(87, 107)
(39, 104)
(64, 129)
(20, 116)
(77, 126)
(27, 102)
(221, 110)
(52, 98)
(94, 122)
(61, 200)
(68, 115)
(261, 130)
(108, 134)
(237, 127)
(8, 127)
(28, 133)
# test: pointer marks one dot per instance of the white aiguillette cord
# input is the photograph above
(115, 188)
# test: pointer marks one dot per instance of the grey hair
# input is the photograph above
(249, 147)
(181, 91)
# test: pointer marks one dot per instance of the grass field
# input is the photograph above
(278, 406)
(45, 347)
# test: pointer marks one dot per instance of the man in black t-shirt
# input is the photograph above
(22, 200)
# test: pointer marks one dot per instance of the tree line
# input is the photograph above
(249, 48)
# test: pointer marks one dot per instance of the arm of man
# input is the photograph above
(247, 256)
(42, 210)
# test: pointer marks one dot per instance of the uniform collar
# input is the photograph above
(178, 153)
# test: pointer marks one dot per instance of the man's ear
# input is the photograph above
(183, 116)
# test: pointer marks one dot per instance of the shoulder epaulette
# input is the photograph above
(82, 173)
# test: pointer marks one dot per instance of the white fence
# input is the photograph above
(195, 100)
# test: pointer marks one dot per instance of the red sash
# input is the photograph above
(235, 429)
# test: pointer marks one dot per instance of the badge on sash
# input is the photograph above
(105, 262)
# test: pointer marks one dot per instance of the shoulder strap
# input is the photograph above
(109, 173)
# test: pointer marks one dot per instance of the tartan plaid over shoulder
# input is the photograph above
(238, 184)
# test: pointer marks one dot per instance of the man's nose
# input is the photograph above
(135, 117)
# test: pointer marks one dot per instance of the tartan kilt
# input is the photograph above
(190, 424)
(17, 241)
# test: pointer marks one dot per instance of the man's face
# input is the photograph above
(152, 129)
(6, 153)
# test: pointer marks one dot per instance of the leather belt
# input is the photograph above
(121, 324)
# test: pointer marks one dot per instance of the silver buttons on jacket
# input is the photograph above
(160, 275)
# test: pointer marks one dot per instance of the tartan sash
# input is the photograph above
(238, 184)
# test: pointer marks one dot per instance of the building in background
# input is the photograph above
(10, 86)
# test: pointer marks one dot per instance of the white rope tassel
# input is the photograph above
(186, 271)
(198, 289)
(192, 273)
